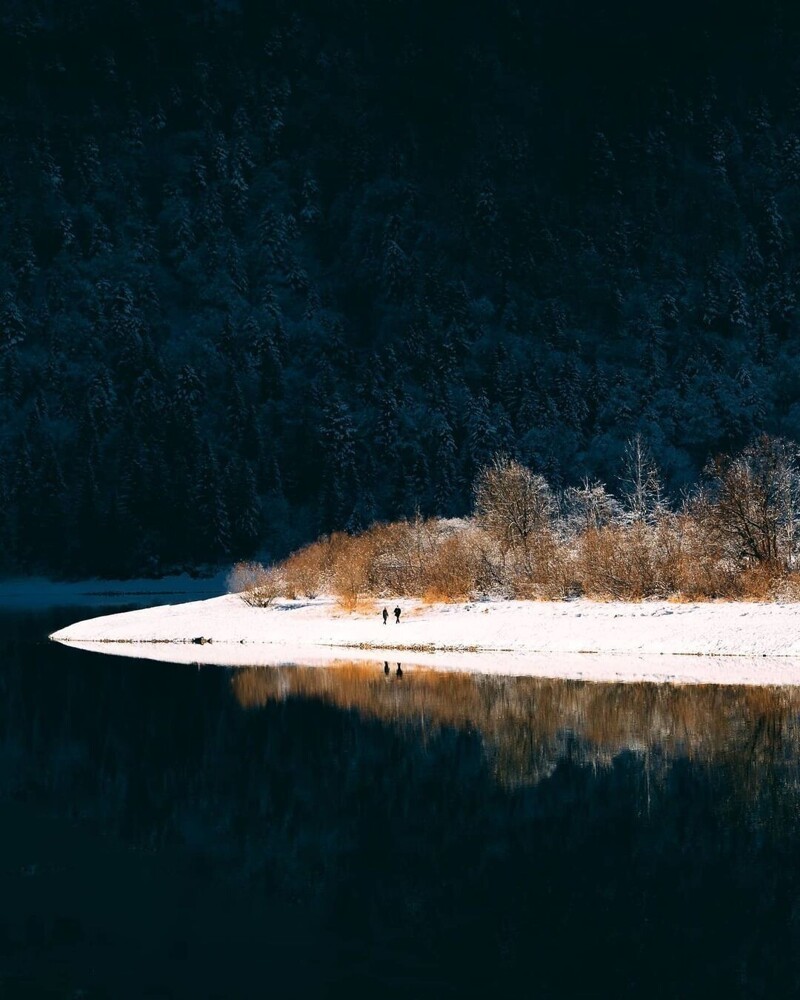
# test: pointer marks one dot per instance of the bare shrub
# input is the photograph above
(350, 570)
(410, 546)
(685, 568)
(590, 505)
(258, 586)
(618, 562)
(513, 503)
(694, 567)
(389, 556)
(750, 503)
(554, 570)
(543, 572)
(596, 565)
(761, 582)
(305, 571)
(787, 588)
(243, 576)
(451, 572)
(400, 555)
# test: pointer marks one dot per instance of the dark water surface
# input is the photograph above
(173, 832)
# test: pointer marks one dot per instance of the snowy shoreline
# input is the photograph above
(733, 643)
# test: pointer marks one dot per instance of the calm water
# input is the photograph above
(173, 832)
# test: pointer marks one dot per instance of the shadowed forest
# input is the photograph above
(270, 270)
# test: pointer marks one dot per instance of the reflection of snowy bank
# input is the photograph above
(701, 643)
(569, 666)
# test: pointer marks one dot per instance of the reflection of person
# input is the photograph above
(385, 615)
(386, 664)
(399, 670)
(397, 615)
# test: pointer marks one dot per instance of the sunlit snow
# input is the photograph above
(741, 643)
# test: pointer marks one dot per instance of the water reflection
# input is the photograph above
(435, 834)
(527, 725)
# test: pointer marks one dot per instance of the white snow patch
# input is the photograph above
(683, 643)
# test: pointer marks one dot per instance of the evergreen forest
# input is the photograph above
(277, 268)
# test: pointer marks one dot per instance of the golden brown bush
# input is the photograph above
(350, 571)
(453, 561)
(519, 545)
(451, 572)
(305, 571)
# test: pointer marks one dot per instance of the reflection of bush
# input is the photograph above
(526, 723)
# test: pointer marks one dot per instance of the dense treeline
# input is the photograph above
(735, 536)
(275, 269)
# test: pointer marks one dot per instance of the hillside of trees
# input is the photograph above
(273, 269)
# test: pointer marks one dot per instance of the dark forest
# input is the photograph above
(271, 269)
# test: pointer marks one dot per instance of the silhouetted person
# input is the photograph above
(386, 664)
(385, 615)
(397, 615)
(399, 670)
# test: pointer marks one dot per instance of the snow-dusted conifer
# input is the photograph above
(12, 325)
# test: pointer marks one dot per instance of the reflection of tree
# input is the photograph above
(528, 724)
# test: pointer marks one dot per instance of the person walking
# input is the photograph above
(397, 615)
(385, 615)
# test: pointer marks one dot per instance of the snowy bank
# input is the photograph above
(740, 643)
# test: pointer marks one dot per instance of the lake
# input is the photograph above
(170, 831)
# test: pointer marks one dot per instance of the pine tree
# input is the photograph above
(339, 477)
(245, 508)
(12, 325)
(482, 434)
(738, 310)
(444, 466)
(309, 213)
(211, 523)
(395, 271)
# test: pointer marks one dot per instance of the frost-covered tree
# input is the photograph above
(589, 506)
(512, 502)
(751, 502)
(640, 483)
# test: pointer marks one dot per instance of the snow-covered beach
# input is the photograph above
(739, 643)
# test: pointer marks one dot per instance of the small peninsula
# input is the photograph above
(661, 641)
